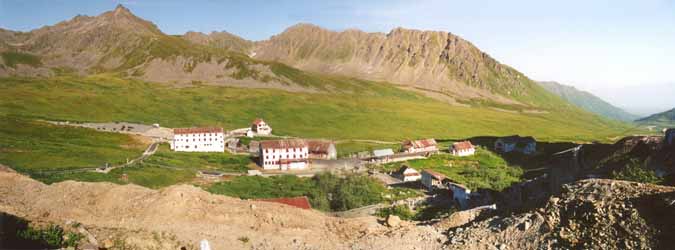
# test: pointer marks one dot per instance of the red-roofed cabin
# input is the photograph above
(420, 146)
(463, 148)
(299, 202)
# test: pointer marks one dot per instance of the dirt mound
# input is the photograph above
(183, 215)
(590, 214)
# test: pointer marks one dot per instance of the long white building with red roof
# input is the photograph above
(207, 139)
(284, 154)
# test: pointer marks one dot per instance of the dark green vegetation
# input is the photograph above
(482, 170)
(420, 214)
(32, 146)
(346, 193)
(12, 58)
(665, 119)
(588, 101)
(375, 111)
(635, 170)
(17, 233)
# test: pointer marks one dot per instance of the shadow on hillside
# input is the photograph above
(533, 165)
(9, 226)
(658, 210)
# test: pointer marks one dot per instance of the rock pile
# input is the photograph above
(590, 214)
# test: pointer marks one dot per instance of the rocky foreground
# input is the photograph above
(593, 214)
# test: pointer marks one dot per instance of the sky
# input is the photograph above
(620, 50)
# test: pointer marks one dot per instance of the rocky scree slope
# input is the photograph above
(119, 42)
(431, 61)
(589, 214)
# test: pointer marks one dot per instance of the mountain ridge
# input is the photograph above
(587, 101)
(439, 64)
(665, 119)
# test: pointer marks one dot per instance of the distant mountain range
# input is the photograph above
(588, 101)
(663, 119)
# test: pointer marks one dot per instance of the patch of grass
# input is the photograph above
(402, 211)
(482, 170)
(13, 58)
(31, 146)
(636, 171)
(223, 162)
(326, 192)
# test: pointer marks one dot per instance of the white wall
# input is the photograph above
(198, 142)
(269, 158)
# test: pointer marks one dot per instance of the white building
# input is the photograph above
(526, 145)
(464, 148)
(284, 154)
(407, 174)
(432, 180)
(259, 127)
(420, 146)
(460, 194)
(198, 140)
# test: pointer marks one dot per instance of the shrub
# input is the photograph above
(402, 211)
(635, 170)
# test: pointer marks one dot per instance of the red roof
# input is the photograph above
(299, 202)
(281, 144)
(197, 130)
(319, 146)
(421, 143)
(462, 145)
(434, 174)
(258, 121)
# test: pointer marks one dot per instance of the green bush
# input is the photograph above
(325, 191)
(50, 236)
(13, 58)
(635, 170)
(402, 211)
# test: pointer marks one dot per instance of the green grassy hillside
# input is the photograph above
(588, 101)
(370, 111)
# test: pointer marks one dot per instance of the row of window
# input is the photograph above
(200, 139)
(286, 156)
(282, 150)
(188, 135)
(205, 145)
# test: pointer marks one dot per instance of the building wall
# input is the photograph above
(270, 158)
(429, 182)
(198, 142)
(460, 195)
(420, 150)
(411, 178)
(261, 129)
(463, 152)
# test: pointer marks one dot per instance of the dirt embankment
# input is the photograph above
(589, 214)
(184, 215)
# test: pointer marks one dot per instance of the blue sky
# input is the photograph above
(622, 51)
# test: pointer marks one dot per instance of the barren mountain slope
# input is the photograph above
(430, 60)
(221, 39)
(117, 41)
(184, 215)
